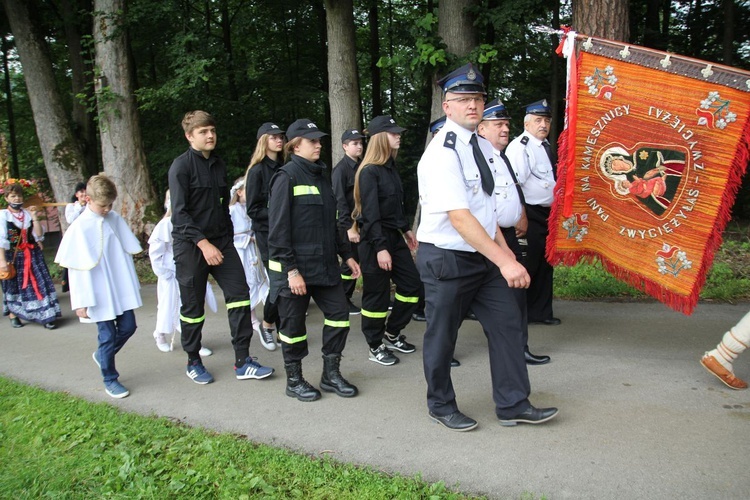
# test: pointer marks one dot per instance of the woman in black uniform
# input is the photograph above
(303, 244)
(384, 255)
(266, 160)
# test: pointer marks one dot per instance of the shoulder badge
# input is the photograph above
(524, 140)
(450, 140)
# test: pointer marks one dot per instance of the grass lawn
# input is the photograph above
(56, 446)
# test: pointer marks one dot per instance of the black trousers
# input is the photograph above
(539, 293)
(270, 309)
(376, 290)
(509, 233)
(293, 331)
(349, 283)
(192, 272)
(455, 281)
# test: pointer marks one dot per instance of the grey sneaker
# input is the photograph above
(398, 344)
(383, 355)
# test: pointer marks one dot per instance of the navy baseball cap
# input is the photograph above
(539, 108)
(304, 128)
(464, 80)
(384, 123)
(351, 135)
(437, 125)
(495, 110)
(269, 128)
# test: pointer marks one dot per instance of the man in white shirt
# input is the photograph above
(531, 154)
(511, 217)
(464, 262)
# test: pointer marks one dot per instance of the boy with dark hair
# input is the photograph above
(342, 179)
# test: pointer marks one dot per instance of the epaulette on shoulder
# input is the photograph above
(450, 140)
(524, 140)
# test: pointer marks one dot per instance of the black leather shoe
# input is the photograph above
(548, 322)
(50, 326)
(456, 421)
(418, 316)
(16, 323)
(530, 416)
(455, 362)
(470, 315)
(533, 359)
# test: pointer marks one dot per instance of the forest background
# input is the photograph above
(101, 85)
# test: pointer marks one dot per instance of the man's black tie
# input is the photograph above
(513, 176)
(488, 180)
(551, 156)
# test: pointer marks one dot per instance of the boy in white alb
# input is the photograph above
(104, 288)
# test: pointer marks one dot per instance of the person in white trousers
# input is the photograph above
(719, 360)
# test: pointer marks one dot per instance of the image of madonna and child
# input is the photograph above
(651, 174)
(30, 294)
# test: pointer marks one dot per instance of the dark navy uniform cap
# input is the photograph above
(269, 128)
(539, 108)
(304, 128)
(464, 80)
(384, 123)
(350, 135)
(437, 125)
(495, 110)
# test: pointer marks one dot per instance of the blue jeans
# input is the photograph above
(112, 336)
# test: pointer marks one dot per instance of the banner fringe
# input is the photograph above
(677, 302)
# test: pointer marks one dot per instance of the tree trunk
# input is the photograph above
(343, 88)
(13, 166)
(652, 36)
(226, 36)
(377, 93)
(728, 35)
(62, 155)
(456, 29)
(602, 18)
(122, 146)
(75, 27)
(556, 87)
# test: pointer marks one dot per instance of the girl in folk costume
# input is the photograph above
(29, 295)
(244, 241)
(167, 288)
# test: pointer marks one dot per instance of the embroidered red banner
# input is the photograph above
(650, 162)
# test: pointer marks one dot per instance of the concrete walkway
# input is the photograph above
(639, 417)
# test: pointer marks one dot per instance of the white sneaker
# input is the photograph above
(162, 344)
(266, 338)
(205, 351)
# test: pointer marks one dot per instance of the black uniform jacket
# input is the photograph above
(342, 179)
(302, 226)
(382, 203)
(257, 182)
(200, 197)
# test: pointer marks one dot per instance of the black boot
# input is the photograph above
(332, 381)
(296, 385)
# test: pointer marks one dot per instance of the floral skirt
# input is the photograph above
(23, 302)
